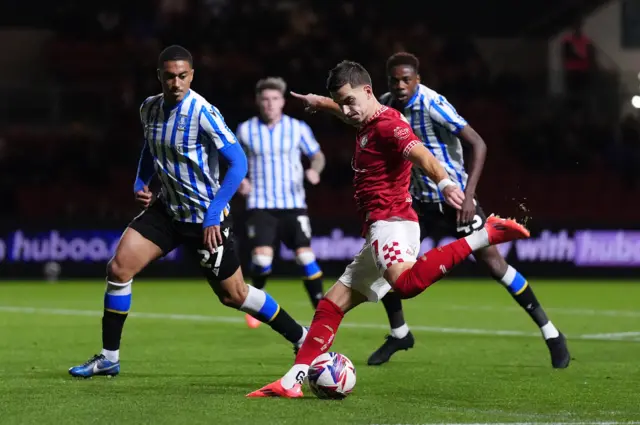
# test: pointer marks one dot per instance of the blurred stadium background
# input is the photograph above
(563, 138)
(564, 146)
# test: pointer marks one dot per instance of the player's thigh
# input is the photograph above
(295, 229)
(478, 221)
(362, 276)
(262, 228)
(221, 268)
(149, 236)
(394, 246)
(345, 297)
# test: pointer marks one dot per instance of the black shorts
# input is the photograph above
(266, 227)
(156, 225)
(440, 219)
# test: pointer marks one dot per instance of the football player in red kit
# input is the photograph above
(385, 150)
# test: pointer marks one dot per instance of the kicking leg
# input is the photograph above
(411, 279)
(523, 294)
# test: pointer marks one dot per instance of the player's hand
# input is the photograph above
(311, 101)
(245, 187)
(465, 215)
(212, 238)
(144, 197)
(312, 176)
(454, 196)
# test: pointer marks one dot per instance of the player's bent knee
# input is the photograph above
(306, 259)
(233, 291)
(117, 271)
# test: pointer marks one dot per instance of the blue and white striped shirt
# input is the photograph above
(435, 121)
(275, 169)
(184, 142)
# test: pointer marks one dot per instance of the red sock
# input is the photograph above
(321, 333)
(431, 267)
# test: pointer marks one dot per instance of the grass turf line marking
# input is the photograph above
(239, 319)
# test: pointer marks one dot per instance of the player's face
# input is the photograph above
(270, 102)
(403, 81)
(356, 103)
(175, 77)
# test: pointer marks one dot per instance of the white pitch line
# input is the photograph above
(617, 335)
(557, 310)
(232, 319)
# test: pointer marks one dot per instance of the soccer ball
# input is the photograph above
(332, 375)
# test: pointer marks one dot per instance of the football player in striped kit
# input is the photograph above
(184, 137)
(274, 143)
(441, 128)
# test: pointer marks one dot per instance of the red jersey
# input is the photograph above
(382, 171)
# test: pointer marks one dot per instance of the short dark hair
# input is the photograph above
(347, 72)
(175, 53)
(403, 58)
(271, 83)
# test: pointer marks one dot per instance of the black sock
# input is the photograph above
(393, 305)
(314, 289)
(259, 281)
(527, 300)
(286, 326)
(112, 324)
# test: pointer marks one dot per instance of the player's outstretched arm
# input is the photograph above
(420, 156)
(314, 102)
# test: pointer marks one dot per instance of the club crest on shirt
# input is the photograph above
(182, 122)
(401, 133)
(363, 141)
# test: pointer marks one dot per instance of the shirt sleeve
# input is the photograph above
(308, 142)
(442, 112)
(212, 125)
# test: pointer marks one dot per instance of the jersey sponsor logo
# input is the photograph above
(401, 133)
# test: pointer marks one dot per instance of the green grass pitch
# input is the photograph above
(188, 360)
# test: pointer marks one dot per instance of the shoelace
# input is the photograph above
(93, 359)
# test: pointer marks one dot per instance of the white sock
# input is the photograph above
(549, 331)
(112, 356)
(478, 239)
(296, 374)
(302, 338)
(400, 332)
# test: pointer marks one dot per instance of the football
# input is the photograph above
(332, 376)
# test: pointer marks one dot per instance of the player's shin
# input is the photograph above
(260, 269)
(393, 306)
(437, 262)
(324, 326)
(522, 292)
(263, 307)
(312, 275)
(117, 303)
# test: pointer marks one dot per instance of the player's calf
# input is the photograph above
(311, 274)
(234, 292)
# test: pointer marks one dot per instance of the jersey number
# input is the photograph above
(206, 257)
(475, 225)
(305, 225)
